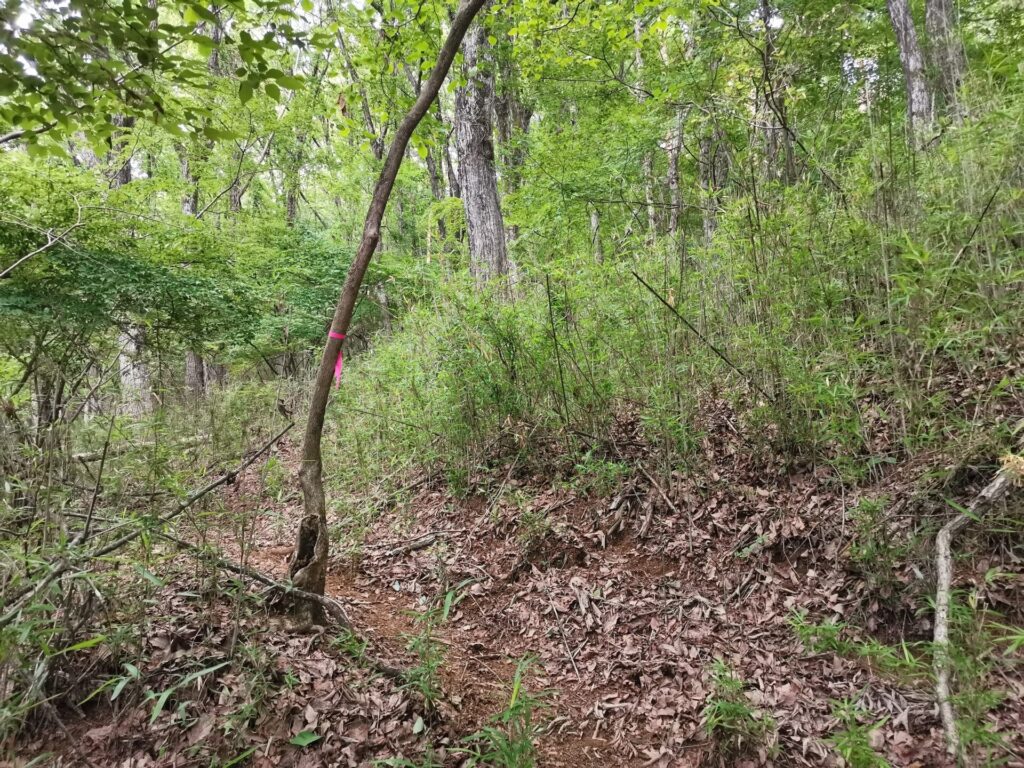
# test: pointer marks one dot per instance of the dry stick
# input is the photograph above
(558, 356)
(721, 355)
(53, 240)
(227, 477)
(84, 535)
(675, 510)
(189, 442)
(989, 495)
(561, 631)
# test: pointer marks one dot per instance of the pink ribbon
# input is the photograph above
(341, 359)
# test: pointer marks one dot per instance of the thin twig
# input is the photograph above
(565, 642)
(82, 537)
(721, 355)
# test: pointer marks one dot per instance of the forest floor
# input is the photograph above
(624, 601)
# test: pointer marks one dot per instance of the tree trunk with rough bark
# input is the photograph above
(772, 106)
(136, 384)
(920, 104)
(195, 374)
(647, 160)
(488, 258)
(308, 568)
(595, 235)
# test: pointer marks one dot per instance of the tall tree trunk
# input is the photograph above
(308, 568)
(488, 258)
(512, 119)
(772, 109)
(190, 201)
(136, 384)
(714, 172)
(675, 216)
(647, 161)
(920, 104)
(291, 200)
(454, 188)
(434, 173)
(195, 374)
(214, 374)
(119, 151)
(949, 61)
(595, 234)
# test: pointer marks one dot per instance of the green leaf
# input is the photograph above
(288, 81)
(307, 5)
(161, 702)
(85, 644)
(304, 739)
(218, 134)
(272, 91)
(245, 91)
(148, 576)
(240, 758)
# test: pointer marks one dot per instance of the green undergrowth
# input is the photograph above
(982, 652)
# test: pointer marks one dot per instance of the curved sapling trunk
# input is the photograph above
(308, 570)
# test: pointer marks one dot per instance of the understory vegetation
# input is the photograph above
(691, 338)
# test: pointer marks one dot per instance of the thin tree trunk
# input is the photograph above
(949, 61)
(714, 172)
(119, 145)
(773, 107)
(488, 258)
(433, 171)
(454, 188)
(595, 234)
(920, 104)
(136, 385)
(214, 374)
(647, 161)
(308, 570)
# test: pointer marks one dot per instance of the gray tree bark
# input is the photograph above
(595, 235)
(772, 109)
(714, 173)
(488, 258)
(920, 104)
(136, 384)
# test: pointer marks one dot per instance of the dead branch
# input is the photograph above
(422, 541)
(123, 448)
(989, 495)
